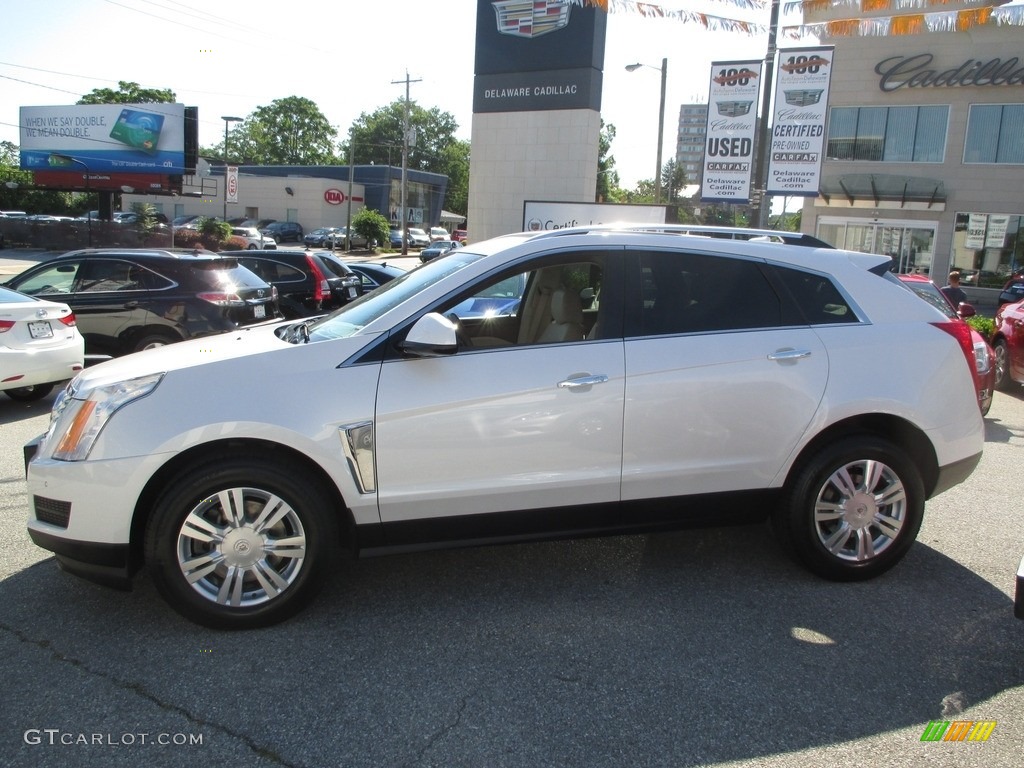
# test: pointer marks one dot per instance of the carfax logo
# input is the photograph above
(958, 730)
(531, 18)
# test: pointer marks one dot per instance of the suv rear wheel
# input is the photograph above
(853, 510)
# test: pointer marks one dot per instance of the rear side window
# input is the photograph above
(697, 293)
(237, 275)
(274, 271)
(819, 300)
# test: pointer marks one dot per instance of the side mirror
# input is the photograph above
(966, 310)
(433, 335)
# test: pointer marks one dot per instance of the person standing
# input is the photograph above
(953, 291)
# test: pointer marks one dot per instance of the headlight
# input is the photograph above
(82, 415)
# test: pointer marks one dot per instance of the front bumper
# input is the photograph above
(106, 564)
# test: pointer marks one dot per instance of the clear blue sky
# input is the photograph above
(229, 57)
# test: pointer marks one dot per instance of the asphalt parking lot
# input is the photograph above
(685, 649)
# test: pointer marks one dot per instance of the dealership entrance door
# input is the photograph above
(911, 244)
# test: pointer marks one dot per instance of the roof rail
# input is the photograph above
(700, 230)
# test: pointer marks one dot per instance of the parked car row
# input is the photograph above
(635, 379)
(40, 345)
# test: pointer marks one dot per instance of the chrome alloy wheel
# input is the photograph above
(241, 547)
(860, 510)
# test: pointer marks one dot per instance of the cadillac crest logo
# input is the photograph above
(531, 18)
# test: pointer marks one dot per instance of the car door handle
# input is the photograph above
(131, 305)
(789, 354)
(582, 381)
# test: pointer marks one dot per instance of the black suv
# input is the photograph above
(284, 231)
(129, 299)
(307, 283)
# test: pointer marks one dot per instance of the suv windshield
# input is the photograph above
(351, 318)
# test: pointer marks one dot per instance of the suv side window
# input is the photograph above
(683, 292)
(817, 296)
(56, 280)
(554, 301)
(273, 271)
(110, 275)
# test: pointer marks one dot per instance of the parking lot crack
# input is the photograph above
(441, 733)
(143, 692)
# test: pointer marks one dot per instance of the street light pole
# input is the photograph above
(227, 121)
(661, 120)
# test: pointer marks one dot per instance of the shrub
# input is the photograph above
(983, 325)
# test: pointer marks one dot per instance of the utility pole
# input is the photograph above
(405, 159)
(764, 137)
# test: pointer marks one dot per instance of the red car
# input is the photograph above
(1008, 344)
(985, 358)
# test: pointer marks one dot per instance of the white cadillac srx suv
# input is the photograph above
(613, 379)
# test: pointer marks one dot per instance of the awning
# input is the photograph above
(882, 186)
(452, 218)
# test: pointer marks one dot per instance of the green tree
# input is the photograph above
(607, 177)
(23, 197)
(129, 93)
(377, 137)
(673, 179)
(455, 165)
(288, 131)
(372, 225)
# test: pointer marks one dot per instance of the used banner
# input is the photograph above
(731, 131)
(802, 78)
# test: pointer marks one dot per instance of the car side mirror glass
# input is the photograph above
(433, 335)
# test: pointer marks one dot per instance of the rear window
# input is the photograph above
(820, 301)
(225, 272)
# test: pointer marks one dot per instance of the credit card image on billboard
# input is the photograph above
(139, 130)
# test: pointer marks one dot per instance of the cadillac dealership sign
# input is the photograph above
(917, 72)
(536, 55)
(731, 131)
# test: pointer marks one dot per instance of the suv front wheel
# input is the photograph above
(241, 544)
(852, 510)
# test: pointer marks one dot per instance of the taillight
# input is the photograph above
(321, 289)
(222, 299)
(69, 320)
(961, 331)
(6, 325)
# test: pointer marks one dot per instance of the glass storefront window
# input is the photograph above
(987, 248)
(910, 244)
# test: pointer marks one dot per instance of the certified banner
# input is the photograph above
(731, 131)
(802, 78)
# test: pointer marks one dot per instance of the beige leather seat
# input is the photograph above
(566, 318)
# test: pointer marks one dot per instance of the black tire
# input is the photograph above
(28, 394)
(251, 248)
(1003, 381)
(870, 498)
(267, 587)
(154, 340)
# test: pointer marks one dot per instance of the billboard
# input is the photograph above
(544, 215)
(536, 55)
(802, 77)
(731, 131)
(104, 138)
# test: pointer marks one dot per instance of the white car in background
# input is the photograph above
(254, 239)
(631, 379)
(40, 345)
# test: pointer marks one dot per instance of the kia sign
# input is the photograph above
(232, 196)
(334, 196)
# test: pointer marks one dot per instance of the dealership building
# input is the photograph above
(925, 150)
(314, 196)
